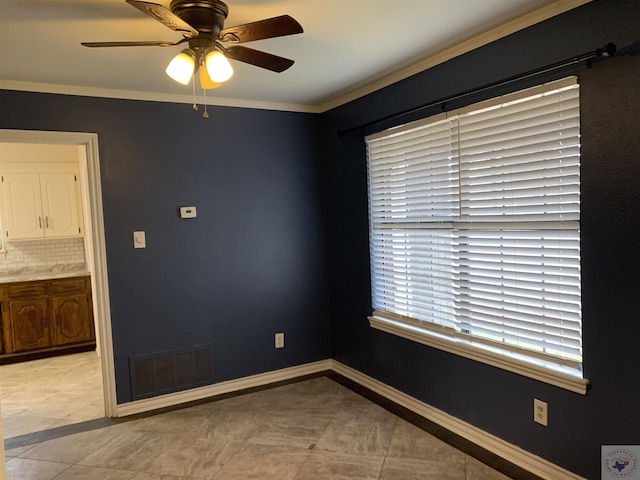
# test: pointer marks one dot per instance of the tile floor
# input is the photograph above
(51, 392)
(311, 430)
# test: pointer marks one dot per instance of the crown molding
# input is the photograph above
(151, 96)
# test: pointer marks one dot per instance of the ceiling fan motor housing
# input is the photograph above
(206, 16)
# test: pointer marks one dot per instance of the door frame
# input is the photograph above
(94, 241)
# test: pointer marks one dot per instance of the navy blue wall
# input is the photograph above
(255, 261)
(491, 399)
(252, 263)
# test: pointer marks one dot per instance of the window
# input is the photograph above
(475, 235)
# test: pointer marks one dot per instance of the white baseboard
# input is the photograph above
(172, 399)
(528, 461)
(516, 455)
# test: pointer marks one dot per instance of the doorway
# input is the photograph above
(87, 144)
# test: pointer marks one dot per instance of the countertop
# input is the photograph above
(47, 272)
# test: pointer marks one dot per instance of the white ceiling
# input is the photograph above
(349, 47)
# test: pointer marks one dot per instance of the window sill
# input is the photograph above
(560, 376)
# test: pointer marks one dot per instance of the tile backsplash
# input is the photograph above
(36, 254)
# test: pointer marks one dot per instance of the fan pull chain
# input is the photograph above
(204, 93)
(193, 83)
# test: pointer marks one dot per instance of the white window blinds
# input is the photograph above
(474, 223)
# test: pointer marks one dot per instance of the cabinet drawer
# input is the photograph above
(68, 285)
(28, 289)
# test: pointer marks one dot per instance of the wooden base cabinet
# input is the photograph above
(30, 324)
(46, 316)
(70, 325)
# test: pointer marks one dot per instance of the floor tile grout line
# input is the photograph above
(65, 470)
(46, 461)
(78, 462)
(386, 453)
(312, 450)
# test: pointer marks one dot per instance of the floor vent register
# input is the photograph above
(171, 371)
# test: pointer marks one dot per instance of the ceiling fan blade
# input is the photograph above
(150, 43)
(268, 28)
(258, 58)
(164, 16)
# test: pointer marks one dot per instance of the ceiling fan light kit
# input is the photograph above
(182, 66)
(218, 67)
(205, 80)
(201, 24)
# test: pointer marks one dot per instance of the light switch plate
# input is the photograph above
(139, 240)
(187, 212)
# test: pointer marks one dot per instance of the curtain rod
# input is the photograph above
(607, 51)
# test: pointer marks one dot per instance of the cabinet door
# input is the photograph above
(6, 345)
(73, 322)
(30, 324)
(60, 204)
(23, 206)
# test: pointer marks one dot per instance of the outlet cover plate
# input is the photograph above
(540, 412)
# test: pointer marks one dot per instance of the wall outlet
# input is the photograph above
(540, 412)
(280, 340)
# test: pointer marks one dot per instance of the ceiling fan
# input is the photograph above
(201, 24)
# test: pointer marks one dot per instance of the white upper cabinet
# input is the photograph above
(60, 204)
(23, 206)
(41, 204)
